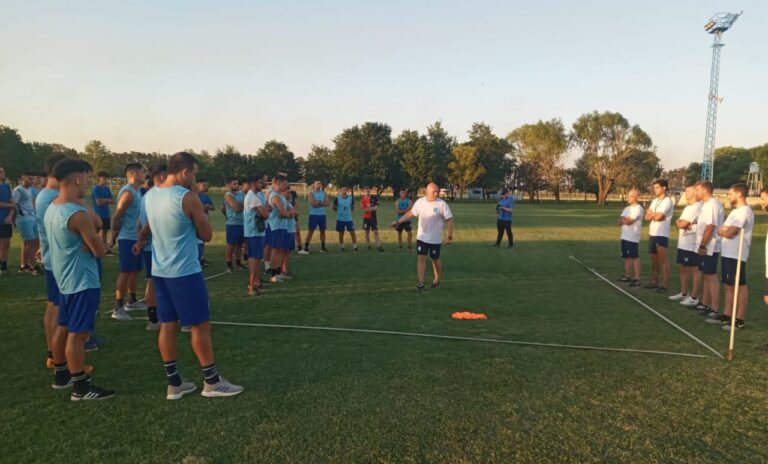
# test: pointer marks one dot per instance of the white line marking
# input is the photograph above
(693, 337)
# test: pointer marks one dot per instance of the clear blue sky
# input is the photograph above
(167, 75)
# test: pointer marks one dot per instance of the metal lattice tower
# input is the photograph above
(718, 24)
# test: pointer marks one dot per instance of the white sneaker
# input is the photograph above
(136, 305)
(267, 265)
(303, 252)
(153, 326)
(690, 301)
(175, 393)
(121, 314)
(678, 297)
(222, 388)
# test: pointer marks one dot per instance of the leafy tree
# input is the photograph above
(678, 178)
(540, 147)
(416, 161)
(365, 155)
(731, 166)
(440, 147)
(14, 153)
(492, 154)
(607, 141)
(100, 158)
(693, 173)
(319, 165)
(275, 157)
(464, 170)
(639, 170)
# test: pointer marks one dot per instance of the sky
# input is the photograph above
(168, 75)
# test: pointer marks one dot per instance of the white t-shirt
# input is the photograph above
(711, 213)
(631, 232)
(661, 205)
(432, 216)
(686, 239)
(742, 218)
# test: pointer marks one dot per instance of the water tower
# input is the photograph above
(755, 179)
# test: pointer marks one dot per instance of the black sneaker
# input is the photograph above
(436, 284)
(323, 250)
(25, 269)
(624, 279)
(93, 393)
(704, 311)
(635, 283)
(495, 245)
(36, 270)
(380, 249)
(420, 287)
(651, 286)
(661, 290)
(727, 324)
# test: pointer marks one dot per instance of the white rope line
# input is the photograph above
(690, 335)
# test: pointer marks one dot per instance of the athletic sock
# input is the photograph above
(50, 354)
(80, 382)
(3, 265)
(229, 264)
(60, 373)
(211, 374)
(237, 261)
(172, 372)
(322, 245)
(119, 303)
(132, 298)
(267, 266)
(152, 314)
(306, 246)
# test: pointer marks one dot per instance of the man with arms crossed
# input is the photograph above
(631, 222)
(102, 198)
(6, 221)
(318, 201)
(233, 210)
(660, 214)
(344, 204)
(280, 239)
(709, 220)
(369, 204)
(25, 222)
(687, 258)
(254, 216)
(433, 214)
(176, 219)
(74, 245)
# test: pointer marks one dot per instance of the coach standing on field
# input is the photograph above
(433, 214)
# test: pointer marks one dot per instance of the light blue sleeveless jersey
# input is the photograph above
(174, 237)
(143, 219)
(129, 227)
(344, 208)
(75, 270)
(319, 197)
(234, 218)
(42, 202)
(276, 221)
(402, 205)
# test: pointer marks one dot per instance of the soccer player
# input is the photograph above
(344, 204)
(318, 201)
(741, 218)
(205, 199)
(708, 246)
(660, 214)
(25, 222)
(125, 232)
(369, 204)
(7, 206)
(631, 222)
(233, 210)
(687, 258)
(433, 214)
(291, 228)
(176, 219)
(294, 205)
(74, 244)
(254, 216)
(279, 222)
(402, 206)
(504, 219)
(102, 198)
(157, 175)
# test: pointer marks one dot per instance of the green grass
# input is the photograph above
(348, 397)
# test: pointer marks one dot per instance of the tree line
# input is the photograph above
(615, 155)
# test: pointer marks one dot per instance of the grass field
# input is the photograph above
(315, 396)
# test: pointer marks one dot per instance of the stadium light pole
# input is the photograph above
(717, 24)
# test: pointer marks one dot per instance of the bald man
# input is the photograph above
(433, 214)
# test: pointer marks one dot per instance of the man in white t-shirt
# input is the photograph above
(740, 219)
(710, 219)
(433, 214)
(687, 258)
(660, 214)
(631, 222)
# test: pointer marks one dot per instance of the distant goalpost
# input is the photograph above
(301, 189)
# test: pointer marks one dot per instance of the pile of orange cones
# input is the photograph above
(466, 315)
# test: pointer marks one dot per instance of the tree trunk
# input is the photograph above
(557, 194)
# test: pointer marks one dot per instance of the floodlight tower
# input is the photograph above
(717, 24)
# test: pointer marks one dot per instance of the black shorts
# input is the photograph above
(688, 258)
(655, 241)
(629, 250)
(6, 230)
(404, 226)
(708, 264)
(431, 249)
(370, 224)
(106, 224)
(728, 271)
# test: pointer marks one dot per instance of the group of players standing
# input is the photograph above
(705, 240)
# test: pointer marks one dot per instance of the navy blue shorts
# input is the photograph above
(280, 239)
(728, 271)
(688, 258)
(183, 299)
(403, 226)
(255, 247)
(708, 264)
(147, 257)
(52, 288)
(629, 250)
(370, 224)
(77, 311)
(292, 241)
(317, 220)
(235, 234)
(654, 241)
(348, 225)
(128, 261)
(431, 249)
